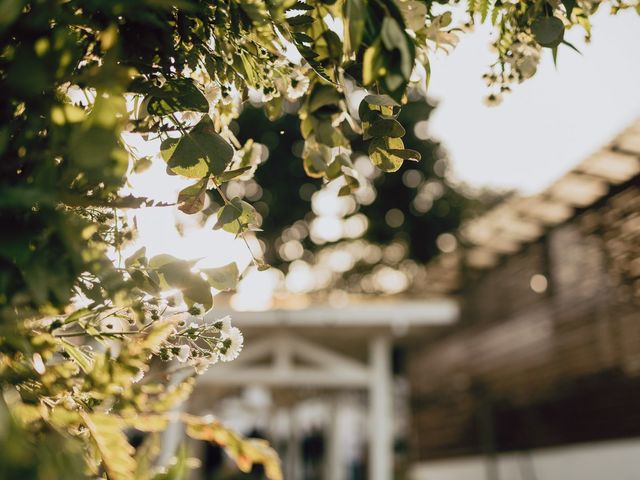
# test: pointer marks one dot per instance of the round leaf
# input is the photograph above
(386, 127)
(191, 199)
(201, 152)
(548, 31)
(380, 155)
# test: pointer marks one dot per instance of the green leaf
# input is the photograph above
(245, 452)
(381, 101)
(247, 217)
(195, 289)
(314, 164)
(162, 259)
(548, 31)
(394, 38)
(494, 13)
(569, 5)
(91, 148)
(179, 95)
(148, 423)
(300, 20)
(300, 6)
(405, 154)
(83, 360)
(167, 147)
(107, 432)
(571, 46)
(77, 315)
(334, 46)
(334, 170)
(321, 96)
(483, 8)
(329, 135)
(135, 257)
(386, 127)
(9, 11)
(372, 63)
(351, 186)
(223, 278)
(391, 34)
(302, 37)
(141, 164)
(201, 152)
(191, 198)
(375, 107)
(355, 16)
(227, 214)
(344, 160)
(231, 174)
(413, 13)
(380, 155)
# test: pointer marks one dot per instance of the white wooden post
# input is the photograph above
(171, 437)
(174, 433)
(334, 467)
(381, 413)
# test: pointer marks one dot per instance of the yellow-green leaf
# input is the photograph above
(107, 432)
(84, 361)
(245, 452)
(380, 155)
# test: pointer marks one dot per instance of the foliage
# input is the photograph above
(422, 195)
(92, 345)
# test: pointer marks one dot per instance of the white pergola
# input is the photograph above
(310, 347)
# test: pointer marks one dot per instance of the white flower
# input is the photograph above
(493, 99)
(197, 309)
(298, 87)
(232, 345)
(180, 319)
(111, 324)
(201, 364)
(183, 353)
(224, 324)
(175, 299)
(213, 93)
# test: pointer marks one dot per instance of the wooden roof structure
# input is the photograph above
(520, 220)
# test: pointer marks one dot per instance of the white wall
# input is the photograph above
(616, 460)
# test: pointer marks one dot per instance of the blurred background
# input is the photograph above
(474, 316)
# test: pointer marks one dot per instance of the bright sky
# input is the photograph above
(547, 124)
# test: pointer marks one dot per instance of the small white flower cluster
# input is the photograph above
(169, 304)
(518, 62)
(201, 343)
(525, 57)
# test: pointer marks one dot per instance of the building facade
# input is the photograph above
(546, 354)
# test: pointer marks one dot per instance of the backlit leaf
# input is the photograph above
(380, 155)
(244, 452)
(201, 152)
(191, 199)
(107, 432)
(223, 278)
(179, 95)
